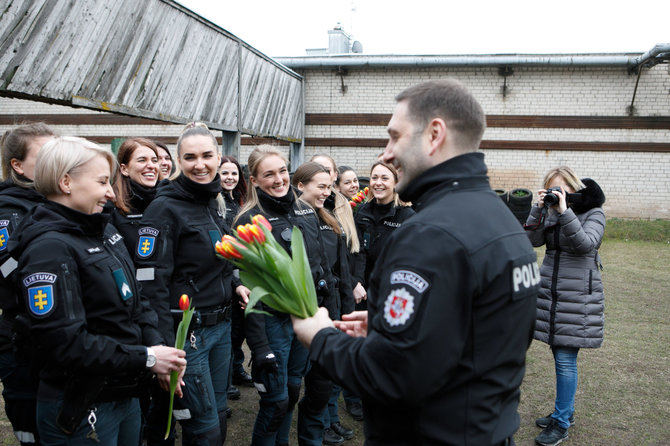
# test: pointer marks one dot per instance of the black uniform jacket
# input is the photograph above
(78, 285)
(337, 256)
(129, 223)
(284, 213)
(175, 252)
(375, 223)
(15, 202)
(232, 207)
(451, 315)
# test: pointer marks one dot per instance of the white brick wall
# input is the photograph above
(636, 184)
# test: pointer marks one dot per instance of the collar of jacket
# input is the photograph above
(376, 211)
(141, 196)
(592, 197)
(186, 189)
(12, 189)
(280, 205)
(463, 171)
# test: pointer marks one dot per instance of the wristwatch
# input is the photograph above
(151, 357)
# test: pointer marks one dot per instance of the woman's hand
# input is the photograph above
(243, 292)
(359, 293)
(169, 359)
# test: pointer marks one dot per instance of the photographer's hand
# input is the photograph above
(541, 193)
(562, 204)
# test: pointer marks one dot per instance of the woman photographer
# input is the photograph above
(569, 220)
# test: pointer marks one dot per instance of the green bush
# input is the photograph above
(642, 230)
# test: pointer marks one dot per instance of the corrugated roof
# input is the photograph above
(154, 59)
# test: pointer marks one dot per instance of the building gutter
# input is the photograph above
(387, 61)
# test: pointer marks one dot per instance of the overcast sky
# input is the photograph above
(426, 27)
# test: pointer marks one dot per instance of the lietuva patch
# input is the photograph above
(41, 299)
(398, 308)
(146, 242)
(4, 238)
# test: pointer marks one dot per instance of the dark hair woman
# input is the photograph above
(279, 359)
(377, 219)
(570, 306)
(175, 255)
(165, 163)
(20, 147)
(234, 191)
(313, 180)
(134, 187)
(89, 329)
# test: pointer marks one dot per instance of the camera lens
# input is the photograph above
(550, 199)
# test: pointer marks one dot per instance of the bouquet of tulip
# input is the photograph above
(182, 330)
(282, 283)
(359, 198)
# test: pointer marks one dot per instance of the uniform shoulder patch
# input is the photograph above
(398, 308)
(146, 242)
(410, 278)
(4, 238)
(41, 299)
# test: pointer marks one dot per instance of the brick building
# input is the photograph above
(542, 111)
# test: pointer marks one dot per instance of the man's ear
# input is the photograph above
(437, 134)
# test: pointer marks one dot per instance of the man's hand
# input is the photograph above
(354, 324)
(306, 329)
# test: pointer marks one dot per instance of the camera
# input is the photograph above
(551, 198)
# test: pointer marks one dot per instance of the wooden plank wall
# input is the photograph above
(152, 59)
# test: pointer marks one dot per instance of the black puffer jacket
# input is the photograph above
(375, 223)
(284, 213)
(78, 285)
(15, 203)
(129, 223)
(175, 251)
(570, 306)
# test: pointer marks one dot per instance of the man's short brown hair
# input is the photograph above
(451, 101)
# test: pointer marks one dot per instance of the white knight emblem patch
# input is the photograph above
(398, 308)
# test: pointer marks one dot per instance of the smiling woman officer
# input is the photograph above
(175, 255)
(89, 328)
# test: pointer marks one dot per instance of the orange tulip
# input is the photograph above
(258, 219)
(228, 248)
(257, 233)
(184, 302)
(244, 233)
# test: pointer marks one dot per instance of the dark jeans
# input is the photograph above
(117, 423)
(19, 392)
(273, 387)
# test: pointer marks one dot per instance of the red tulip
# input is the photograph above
(257, 233)
(184, 302)
(258, 219)
(244, 233)
(228, 248)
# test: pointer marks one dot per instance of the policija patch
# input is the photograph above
(40, 293)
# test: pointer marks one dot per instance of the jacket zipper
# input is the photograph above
(68, 292)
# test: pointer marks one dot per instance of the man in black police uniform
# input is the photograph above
(440, 354)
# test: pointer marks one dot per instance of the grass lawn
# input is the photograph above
(624, 387)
